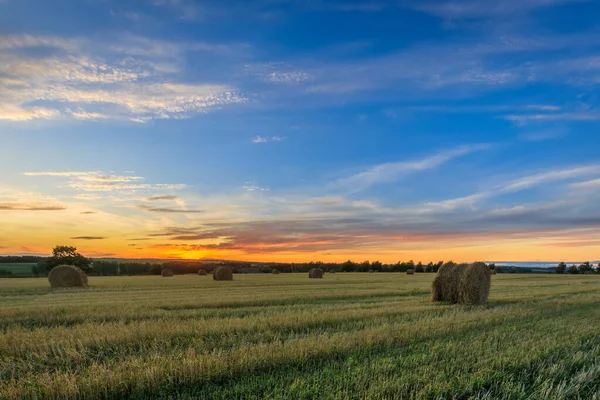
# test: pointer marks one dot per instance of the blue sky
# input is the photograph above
(288, 130)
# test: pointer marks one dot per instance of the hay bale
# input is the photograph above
(67, 276)
(332, 271)
(223, 274)
(202, 272)
(275, 271)
(462, 284)
(410, 272)
(588, 273)
(315, 273)
(166, 273)
(492, 272)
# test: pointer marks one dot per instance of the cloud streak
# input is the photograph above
(392, 171)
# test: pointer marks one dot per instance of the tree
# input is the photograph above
(67, 255)
(585, 267)
(376, 266)
(499, 270)
(348, 266)
(573, 270)
(419, 267)
(561, 268)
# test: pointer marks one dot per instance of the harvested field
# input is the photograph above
(352, 335)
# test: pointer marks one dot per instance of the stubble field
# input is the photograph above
(346, 336)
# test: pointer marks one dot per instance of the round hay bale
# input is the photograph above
(275, 271)
(474, 284)
(223, 274)
(492, 272)
(332, 271)
(202, 272)
(410, 272)
(67, 276)
(445, 284)
(315, 273)
(462, 284)
(166, 273)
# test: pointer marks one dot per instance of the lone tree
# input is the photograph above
(67, 255)
(561, 268)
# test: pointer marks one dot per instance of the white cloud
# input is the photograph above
(265, 139)
(574, 116)
(288, 77)
(550, 176)
(390, 172)
(136, 85)
(98, 182)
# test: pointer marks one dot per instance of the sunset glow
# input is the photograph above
(309, 131)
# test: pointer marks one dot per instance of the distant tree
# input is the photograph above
(499, 270)
(492, 266)
(429, 267)
(364, 266)
(348, 266)
(573, 270)
(67, 255)
(437, 266)
(5, 273)
(419, 267)
(512, 270)
(35, 271)
(377, 266)
(155, 269)
(585, 267)
(410, 265)
(598, 269)
(561, 268)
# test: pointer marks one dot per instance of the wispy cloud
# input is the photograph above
(167, 210)
(138, 83)
(550, 176)
(99, 182)
(265, 139)
(88, 238)
(30, 207)
(392, 171)
(161, 198)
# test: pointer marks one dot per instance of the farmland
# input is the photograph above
(348, 335)
(18, 269)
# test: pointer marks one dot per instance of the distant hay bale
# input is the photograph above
(166, 273)
(588, 273)
(223, 274)
(410, 272)
(275, 271)
(492, 272)
(315, 273)
(462, 284)
(67, 276)
(332, 271)
(202, 272)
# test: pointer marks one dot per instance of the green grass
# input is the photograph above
(347, 336)
(19, 269)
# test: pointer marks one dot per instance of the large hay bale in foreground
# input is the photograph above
(462, 284)
(166, 273)
(410, 272)
(223, 274)
(202, 272)
(275, 271)
(67, 276)
(315, 273)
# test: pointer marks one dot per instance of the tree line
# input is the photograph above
(69, 255)
(584, 268)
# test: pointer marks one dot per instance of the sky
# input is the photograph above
(301, 130)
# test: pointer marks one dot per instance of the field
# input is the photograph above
(18, 269)
(348, 335)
